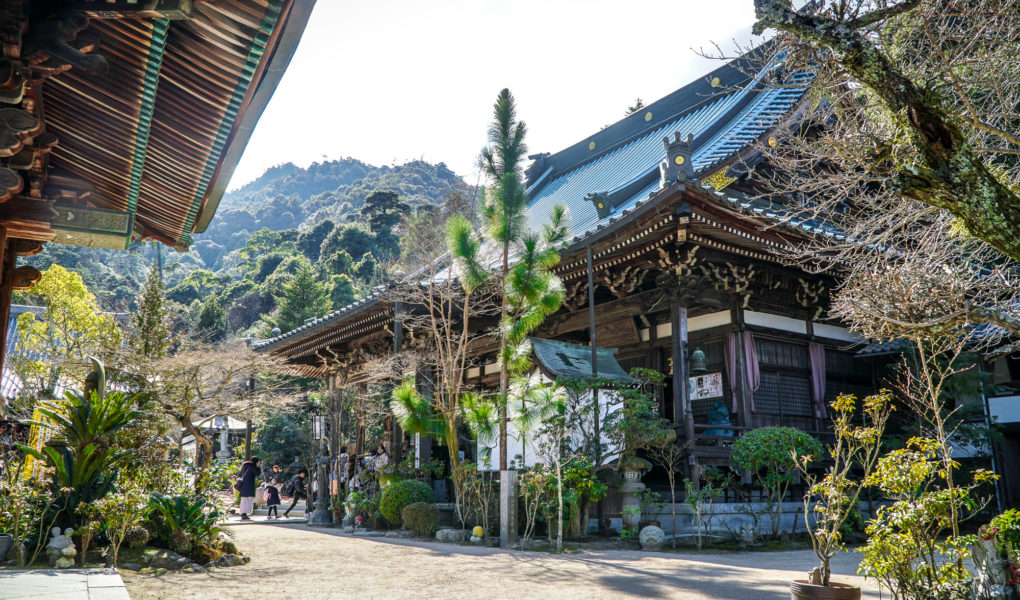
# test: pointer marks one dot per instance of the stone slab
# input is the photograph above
(66, 584)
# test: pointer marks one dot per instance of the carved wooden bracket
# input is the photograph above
(10, 183)
(623, 283)
(24, 277)
(15, 127)
(733, 279)
(576, 295)
(56, 37)
(810, 295)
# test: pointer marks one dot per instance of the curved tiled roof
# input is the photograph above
(722, 126)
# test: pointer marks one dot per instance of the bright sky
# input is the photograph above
(387, 81)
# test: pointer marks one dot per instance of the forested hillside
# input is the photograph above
(292, 244)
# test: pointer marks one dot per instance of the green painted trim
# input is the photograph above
(150, 85)
(255, 52)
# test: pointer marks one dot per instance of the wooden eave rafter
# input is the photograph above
(149, 131)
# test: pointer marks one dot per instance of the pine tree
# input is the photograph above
(303, 297)
(503, 214)
(151, 329)
(383, 211)
(212, 321)
(343, 291)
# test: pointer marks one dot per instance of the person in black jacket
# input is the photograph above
(272, 500)
(249, 471)
(297, 485)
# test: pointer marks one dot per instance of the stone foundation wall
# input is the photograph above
(728, 519)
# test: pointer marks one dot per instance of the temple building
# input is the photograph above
(689, 270)
(122, 121)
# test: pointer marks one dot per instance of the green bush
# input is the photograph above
(183, 518)
(768, 452)
(421, 518)
(136, 536)
(401, 493)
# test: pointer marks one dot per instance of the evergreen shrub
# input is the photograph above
(401, 493)
(421, 518)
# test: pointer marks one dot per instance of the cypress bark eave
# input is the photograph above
(948, 173)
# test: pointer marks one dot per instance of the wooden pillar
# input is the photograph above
(423, 443)
(359, 431)
(681, 395)
(593, 340)
(8, 258)
(396, 434)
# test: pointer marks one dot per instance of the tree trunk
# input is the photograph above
(203, 453)
(503, 375)
(947, 172)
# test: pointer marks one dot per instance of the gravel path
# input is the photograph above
(296, 562)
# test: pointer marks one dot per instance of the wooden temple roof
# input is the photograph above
(142, 109)
(623, 186)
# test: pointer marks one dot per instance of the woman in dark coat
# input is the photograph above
(249, 471)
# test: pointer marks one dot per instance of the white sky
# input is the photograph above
(387, 81)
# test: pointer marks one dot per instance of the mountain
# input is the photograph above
(288, 220)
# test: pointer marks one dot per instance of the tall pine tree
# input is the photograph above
(151, 332)
(304, 297)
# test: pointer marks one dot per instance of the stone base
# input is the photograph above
(321, 517)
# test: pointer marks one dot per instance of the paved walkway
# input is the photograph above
(64, 584)
(295, 561)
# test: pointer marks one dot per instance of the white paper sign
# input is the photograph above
(704, 386)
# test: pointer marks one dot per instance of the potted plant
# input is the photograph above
(833, 497)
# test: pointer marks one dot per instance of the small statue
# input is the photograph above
(322, 465)
(815, 576)
(60, 549)
(719, 415)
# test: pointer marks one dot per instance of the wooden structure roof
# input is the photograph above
(125, 119)
(655, 194)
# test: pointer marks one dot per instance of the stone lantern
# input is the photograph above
(633, 469)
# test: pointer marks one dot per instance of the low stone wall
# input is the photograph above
(727, 519)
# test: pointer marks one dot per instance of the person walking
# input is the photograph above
(297, 488)
(249, 471)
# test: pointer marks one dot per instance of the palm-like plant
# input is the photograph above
(86, 468)
(192, 516)
(88, 420)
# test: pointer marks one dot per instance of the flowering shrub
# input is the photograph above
(832, 498)
(1005, 530)
(908, 550)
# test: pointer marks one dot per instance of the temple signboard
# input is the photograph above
(705, 386)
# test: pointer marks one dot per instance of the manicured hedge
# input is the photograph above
(401, 493)
(421, 518)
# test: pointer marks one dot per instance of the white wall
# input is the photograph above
(530, 447)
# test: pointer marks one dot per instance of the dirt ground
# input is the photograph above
(296, 562)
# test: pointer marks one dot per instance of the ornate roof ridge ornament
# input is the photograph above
(678, 165)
